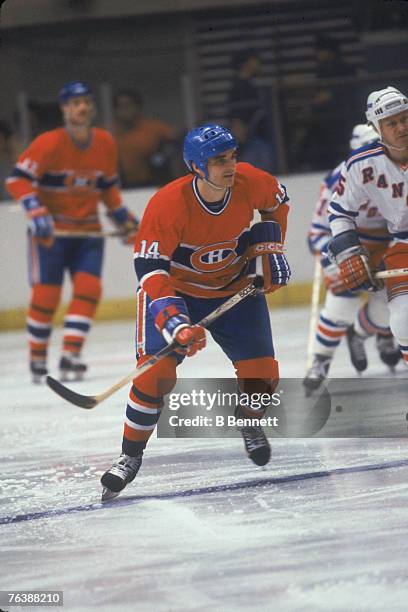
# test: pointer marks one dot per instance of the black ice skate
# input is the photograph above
(256, 443)
(316, 373)
(38, 371)
(357, 350)
(71, 367)
(388, 350)
(122, 472)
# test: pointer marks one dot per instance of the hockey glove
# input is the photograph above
(126, 223)
(331, 275)
(352, 259)
(173, 322)
(333, 280)
(40, 220)
(266, 256)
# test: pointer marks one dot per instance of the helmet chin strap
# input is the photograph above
(388, 145)
(206, 180)
(392, 146)
(212, 184)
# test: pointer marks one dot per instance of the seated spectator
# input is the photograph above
(9, 151)
(330, 62)
(333, 108)
(250, 111)
(144, 144)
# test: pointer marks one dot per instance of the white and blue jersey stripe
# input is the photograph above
(371, 180)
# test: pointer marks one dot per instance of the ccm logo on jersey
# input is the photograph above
(214, 257)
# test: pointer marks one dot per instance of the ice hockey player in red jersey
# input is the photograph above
(377, 174)
(195, 248)
(59, 180)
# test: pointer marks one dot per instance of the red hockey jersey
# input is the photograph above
(186, 245)
(68, 179)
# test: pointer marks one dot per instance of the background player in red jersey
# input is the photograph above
(59, 179)
(195, 248)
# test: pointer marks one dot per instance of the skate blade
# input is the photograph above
(71, 377)
(107, 494)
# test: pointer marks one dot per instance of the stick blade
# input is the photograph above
(83, 401)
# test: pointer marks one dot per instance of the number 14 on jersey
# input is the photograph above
(150, 251)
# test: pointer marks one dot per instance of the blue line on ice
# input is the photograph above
(247, 484)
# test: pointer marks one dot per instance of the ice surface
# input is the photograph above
(323, 527)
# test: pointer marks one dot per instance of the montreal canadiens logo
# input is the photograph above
(83, 182)
(214, 257)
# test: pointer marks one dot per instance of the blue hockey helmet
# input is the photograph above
(72, 90)
(204, 142)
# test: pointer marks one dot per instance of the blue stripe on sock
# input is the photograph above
(141, 418)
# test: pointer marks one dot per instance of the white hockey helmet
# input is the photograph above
(384, 103)
(361, 135)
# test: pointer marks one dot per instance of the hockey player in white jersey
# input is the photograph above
(378, 174)
(343, 313)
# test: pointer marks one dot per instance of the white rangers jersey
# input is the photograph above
(369, 176)
(371, 225)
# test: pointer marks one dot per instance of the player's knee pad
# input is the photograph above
(87, 285)
(398, 318)
(377, 310)
(260, 375)
(340, 309)
(160, 379)
(44, 300)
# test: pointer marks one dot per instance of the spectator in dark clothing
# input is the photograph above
(250, 111)
(330, 62)
(333, 107)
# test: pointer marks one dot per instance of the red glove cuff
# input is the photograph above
(41, 211)
(167, 313)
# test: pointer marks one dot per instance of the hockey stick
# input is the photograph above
(314, 310)
(90, 401)
(69, 234)
(391, 273)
